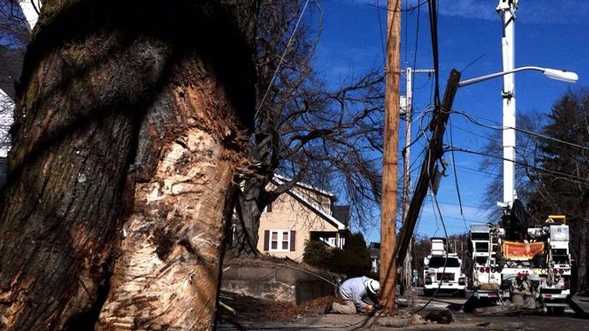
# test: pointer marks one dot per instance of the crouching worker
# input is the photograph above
(352, 296)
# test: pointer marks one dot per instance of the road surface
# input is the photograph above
(463, 321)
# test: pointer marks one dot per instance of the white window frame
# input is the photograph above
(332, 241)
(279, 236)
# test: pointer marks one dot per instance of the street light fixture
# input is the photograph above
(509, 121)
(557, 74)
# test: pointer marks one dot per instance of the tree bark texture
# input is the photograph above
(131, 119)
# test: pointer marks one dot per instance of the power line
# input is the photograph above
(528, 132)
(470, 221)
(290, 40)
(554, 173)
(381, 32)
(437, 205)
(422, 128)
(478, 172)
(416, 37)
(471, 132)
(406, 10)
(405, 32)
(445, 203)
(433, 19)
(454, 169)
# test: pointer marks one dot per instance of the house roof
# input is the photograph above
(342, 214)
(311, 205)
(305, 185)
(374, 245)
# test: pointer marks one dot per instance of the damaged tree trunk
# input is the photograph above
(131, 120)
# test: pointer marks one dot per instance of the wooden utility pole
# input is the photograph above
(388, 270)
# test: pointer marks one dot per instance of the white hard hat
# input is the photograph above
(373, 286)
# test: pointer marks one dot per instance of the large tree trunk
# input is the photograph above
(131, 118)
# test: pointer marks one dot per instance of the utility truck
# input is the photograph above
(518, 260)
(442, 270)
(485, 278)
(528, 265)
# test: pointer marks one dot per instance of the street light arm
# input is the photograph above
(497, 74)
(562, 75)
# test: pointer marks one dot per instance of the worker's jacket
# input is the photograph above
(354, 289)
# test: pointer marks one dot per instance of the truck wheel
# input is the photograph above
(462, 294)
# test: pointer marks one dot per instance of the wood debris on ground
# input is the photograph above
(249, 309)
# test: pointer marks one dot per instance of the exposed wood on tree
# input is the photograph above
(113, 94)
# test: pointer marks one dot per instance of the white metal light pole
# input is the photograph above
(507, 9)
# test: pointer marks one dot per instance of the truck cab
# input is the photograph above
(443, 270)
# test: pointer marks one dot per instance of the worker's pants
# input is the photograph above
(347, 307)
(524, 300)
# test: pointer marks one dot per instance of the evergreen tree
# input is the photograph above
(563, 187)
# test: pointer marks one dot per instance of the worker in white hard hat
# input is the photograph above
(353, 294)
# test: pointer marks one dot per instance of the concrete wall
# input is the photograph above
(275, 281)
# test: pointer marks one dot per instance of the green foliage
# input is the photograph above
(317, 253)
(353, 260)
(566, 194)
(568, 121)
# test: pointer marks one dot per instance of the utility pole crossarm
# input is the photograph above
(424, 71)
(434, 152)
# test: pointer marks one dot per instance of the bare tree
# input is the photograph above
(15, 31)
(331, 138)
(13, 23)
(131, 118)
(527, 148)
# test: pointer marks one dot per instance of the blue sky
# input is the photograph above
(547, 34)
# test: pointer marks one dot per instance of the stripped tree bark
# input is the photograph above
(131, 119)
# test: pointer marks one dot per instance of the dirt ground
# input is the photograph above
(251, 310)
(466, 322)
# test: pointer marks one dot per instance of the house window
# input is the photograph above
(279, 240)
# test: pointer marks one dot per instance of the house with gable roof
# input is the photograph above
(301, 214)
